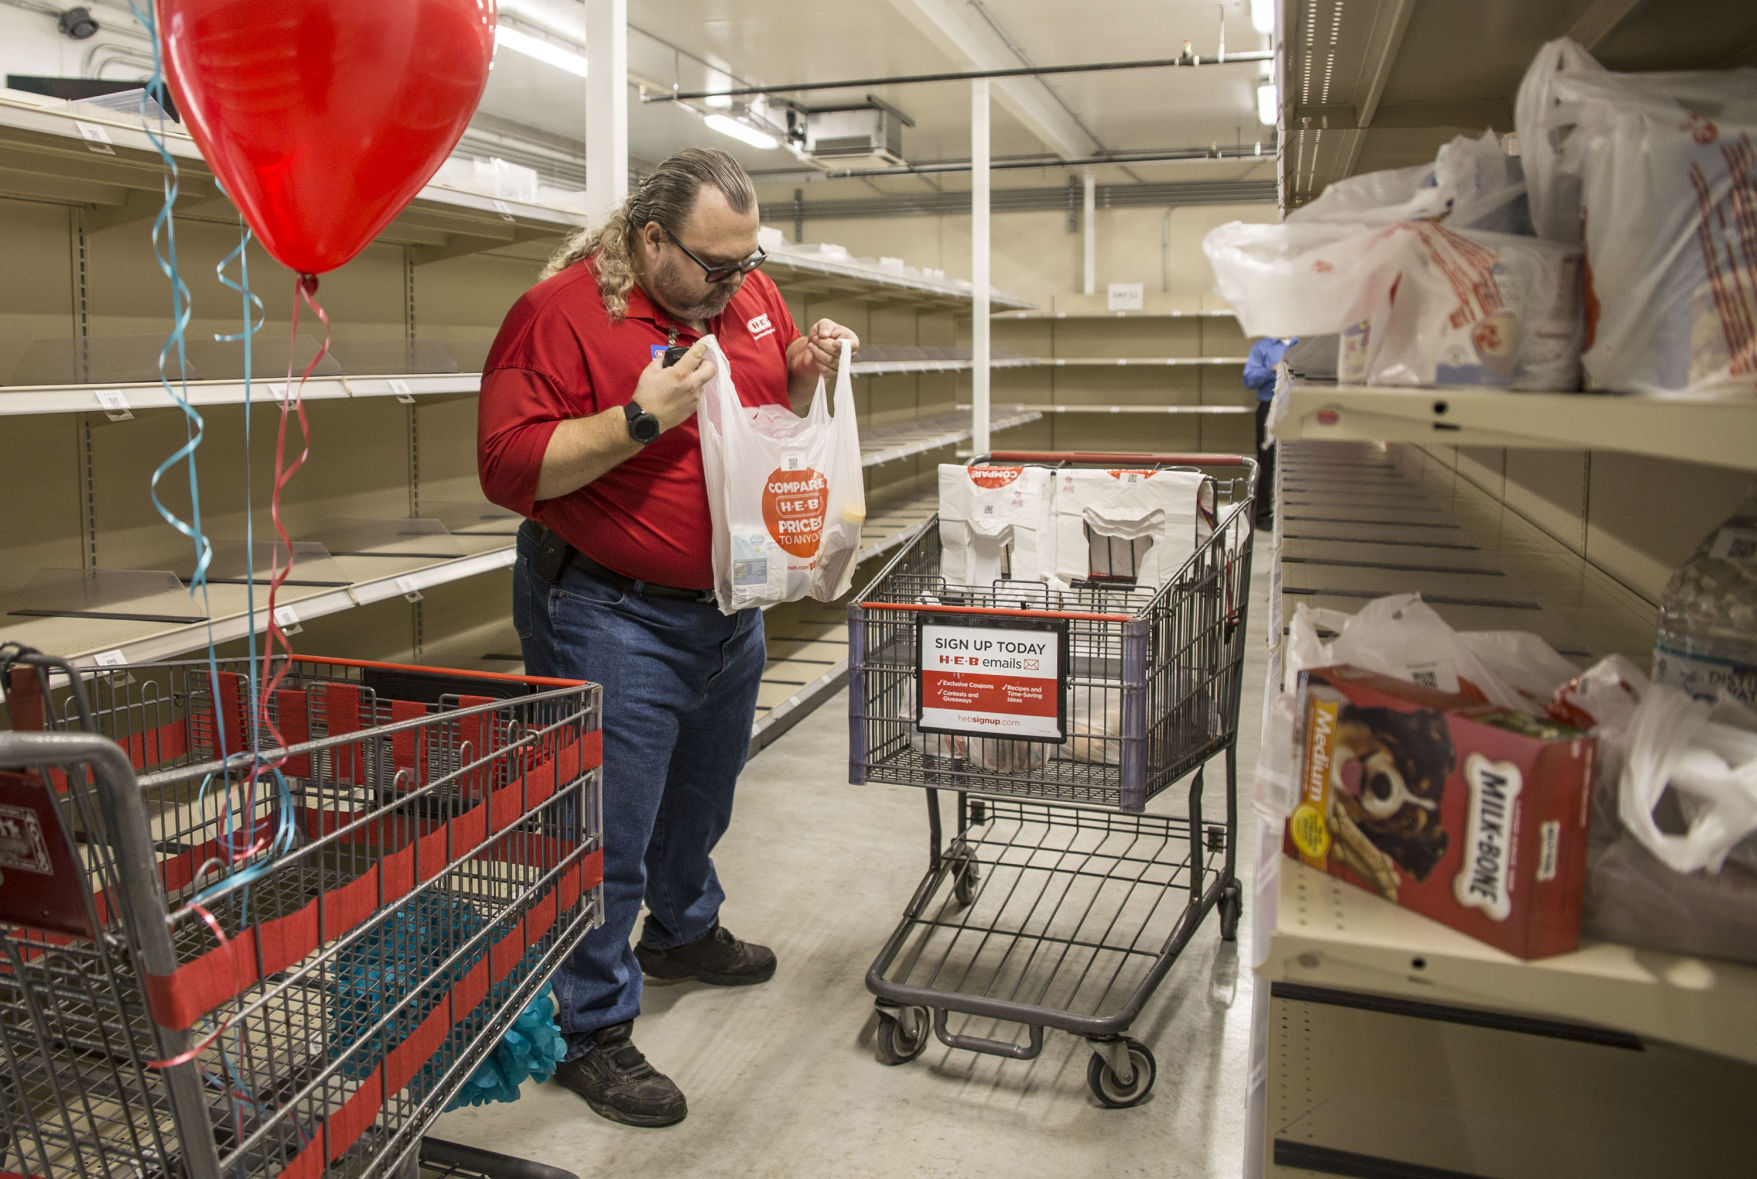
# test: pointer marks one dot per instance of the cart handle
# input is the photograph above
(1011, 611)
(1100, 456)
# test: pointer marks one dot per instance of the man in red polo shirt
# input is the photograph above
(587, 427)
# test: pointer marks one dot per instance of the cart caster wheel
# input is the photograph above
(902, 1034)
(1109, 1090)
(966, 876)
(1231, 904)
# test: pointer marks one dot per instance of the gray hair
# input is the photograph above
(666, 195)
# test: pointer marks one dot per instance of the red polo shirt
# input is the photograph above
(559, 356)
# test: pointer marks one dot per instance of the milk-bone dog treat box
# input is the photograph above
(1469, 814)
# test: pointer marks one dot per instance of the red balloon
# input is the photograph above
(323, 118)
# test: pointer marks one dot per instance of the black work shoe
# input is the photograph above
(716, 957)
(619, 1084)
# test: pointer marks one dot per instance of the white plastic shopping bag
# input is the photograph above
(1129, 526)
(996, 522)
(1658, 174)
(1403, 636)
(1472, 184)
(1449, 308)
(785, 492)
(1416, 303)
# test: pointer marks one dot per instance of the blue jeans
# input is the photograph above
(680, 685)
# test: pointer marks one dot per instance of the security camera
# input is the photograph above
(77, 23)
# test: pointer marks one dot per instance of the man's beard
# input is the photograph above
(671, 292)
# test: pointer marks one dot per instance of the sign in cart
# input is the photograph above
(993, 677)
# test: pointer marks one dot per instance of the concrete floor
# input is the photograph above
(781, 1078)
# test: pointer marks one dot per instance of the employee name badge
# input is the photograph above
(992, 676)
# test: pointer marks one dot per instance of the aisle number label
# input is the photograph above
(96, 137)
(1125, 296)
(115, 405)
(993, 677)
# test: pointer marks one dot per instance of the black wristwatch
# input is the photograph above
(643, 427)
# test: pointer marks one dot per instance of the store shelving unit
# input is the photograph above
(1689, 429)
(1390, 1044)
(1180, 356)
(440, 274)
(1381, 995)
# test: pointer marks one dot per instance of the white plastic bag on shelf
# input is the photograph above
(1293, 279)
(1673, 744)
(1658, 174)
(1452, 308)
(786, 493)
(1633, 894)
(996, 522)
(1401, 635)
(1415, 303)
(1472, 184)
(1552, 195)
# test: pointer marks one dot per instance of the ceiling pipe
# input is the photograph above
(1029, 200)
(1182, 155)
(1186, 61)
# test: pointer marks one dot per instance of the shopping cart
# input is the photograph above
(1058, 901)
(218, 963)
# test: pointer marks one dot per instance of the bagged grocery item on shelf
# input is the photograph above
(1657, 175)
(1403, 636)
(1472, 815)
(1674, 824)
(1415, 303)
(786, 493)
(1131, 526)
(1466, 309)
(1472, 184)
(996, 522)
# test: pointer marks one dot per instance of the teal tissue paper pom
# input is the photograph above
(531, 1047)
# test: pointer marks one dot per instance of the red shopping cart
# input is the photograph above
(215, 962)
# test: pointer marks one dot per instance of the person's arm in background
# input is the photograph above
(1259, 369)
(816, 354)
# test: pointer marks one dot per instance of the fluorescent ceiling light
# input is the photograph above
(742, 132)
(1267, 102)
(544, 51)
(1263, 16)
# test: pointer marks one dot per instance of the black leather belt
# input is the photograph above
(569, 556)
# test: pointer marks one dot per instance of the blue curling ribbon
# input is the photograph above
(164, 237)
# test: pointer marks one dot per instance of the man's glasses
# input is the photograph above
(723, 271)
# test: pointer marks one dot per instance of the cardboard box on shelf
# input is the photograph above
(1472, 815)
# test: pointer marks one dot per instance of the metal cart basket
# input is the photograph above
(1058, 901)
(214, 961)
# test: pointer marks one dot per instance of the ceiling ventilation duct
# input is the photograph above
(849, 136)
